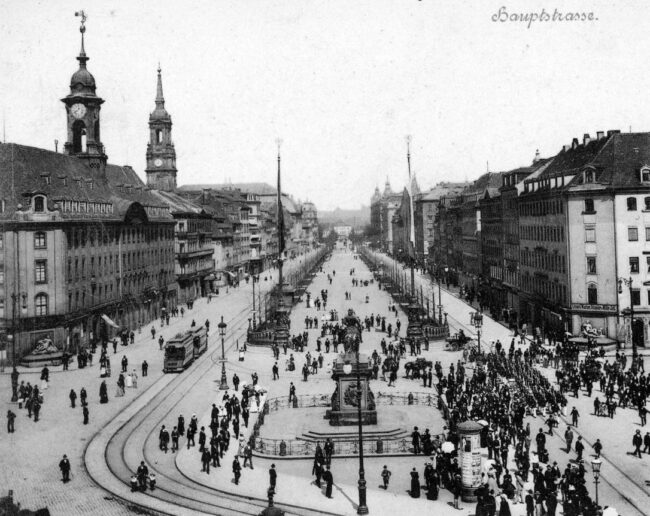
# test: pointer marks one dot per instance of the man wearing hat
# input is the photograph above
(637, 441)
(530, 503)
(646, 443)
(64, 466)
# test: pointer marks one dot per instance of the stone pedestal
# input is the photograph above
(346, 398)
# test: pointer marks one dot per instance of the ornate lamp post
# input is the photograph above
(595, 468)
(477, 321)
(223, 386)
(628, 283)
(347, 369)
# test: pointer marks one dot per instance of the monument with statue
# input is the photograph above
(352, 399)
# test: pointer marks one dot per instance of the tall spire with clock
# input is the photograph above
(82, 106)
(161, 155)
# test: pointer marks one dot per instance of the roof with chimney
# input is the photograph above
(27, 171)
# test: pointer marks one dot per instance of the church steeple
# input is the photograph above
(161, 155)
(82, 108)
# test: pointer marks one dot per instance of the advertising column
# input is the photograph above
(469, 455)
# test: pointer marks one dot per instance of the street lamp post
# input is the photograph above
(223, 386)
(595, 468)
(477, 321)
(628, 283)
(347, 368)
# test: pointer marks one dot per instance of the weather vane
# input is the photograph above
(278, 141)
(82, 29)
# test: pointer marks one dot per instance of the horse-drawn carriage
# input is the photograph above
(457, 340)
(417, 367)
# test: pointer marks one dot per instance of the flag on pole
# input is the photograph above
(281, 242)
(410, 193)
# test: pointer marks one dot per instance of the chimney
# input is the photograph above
(536, 158)
(575, 143)
(586, 139)
(600, 135)
(56, 145)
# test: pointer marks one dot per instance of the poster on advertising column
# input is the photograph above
(470, 460)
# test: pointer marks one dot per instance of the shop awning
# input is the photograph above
(110, 321)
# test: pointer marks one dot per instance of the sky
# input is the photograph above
(341, 82)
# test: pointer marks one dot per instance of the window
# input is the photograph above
(590, 233)
(1, 240)
(632, 234)
(634, 264)
(646, 203)
(592, 294)
(39, 203)
(647, 233)
(589, 206)
(40, 303)
(631, 204)
(40, 240)
(647, 259)
(40, 271)
(2, 274)
(589, 176)
(635, 297)
(645, 175)
(591, 265)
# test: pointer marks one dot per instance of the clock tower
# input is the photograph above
(161, 155)
(82, 107)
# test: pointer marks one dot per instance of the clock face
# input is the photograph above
(78, 110)
(158, 162)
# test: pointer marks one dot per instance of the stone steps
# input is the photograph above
(395, 433)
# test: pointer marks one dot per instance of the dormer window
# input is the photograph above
(645, 175)
(589, 176)
(39, 203)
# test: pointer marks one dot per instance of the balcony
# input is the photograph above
(189, 275)
(186, 255)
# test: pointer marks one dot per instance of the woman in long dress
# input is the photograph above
(415, 484)
(103, 393)
(120, 386)
(134, 379)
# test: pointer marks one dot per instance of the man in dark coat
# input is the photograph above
(143, 474)
(317, 470)
(10, 421)
(64, 466)
(73, 398)
(86, 414)
(637, 441)
(415, 436)
(236, 469)
(329, 480)
(273, 477)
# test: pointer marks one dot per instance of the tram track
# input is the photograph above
(136, 440)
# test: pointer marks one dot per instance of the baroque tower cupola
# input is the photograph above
(161, 155)
(82, 107)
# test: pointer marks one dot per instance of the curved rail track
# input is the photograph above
(136, 440)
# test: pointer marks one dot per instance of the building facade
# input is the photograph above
(86, 251)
